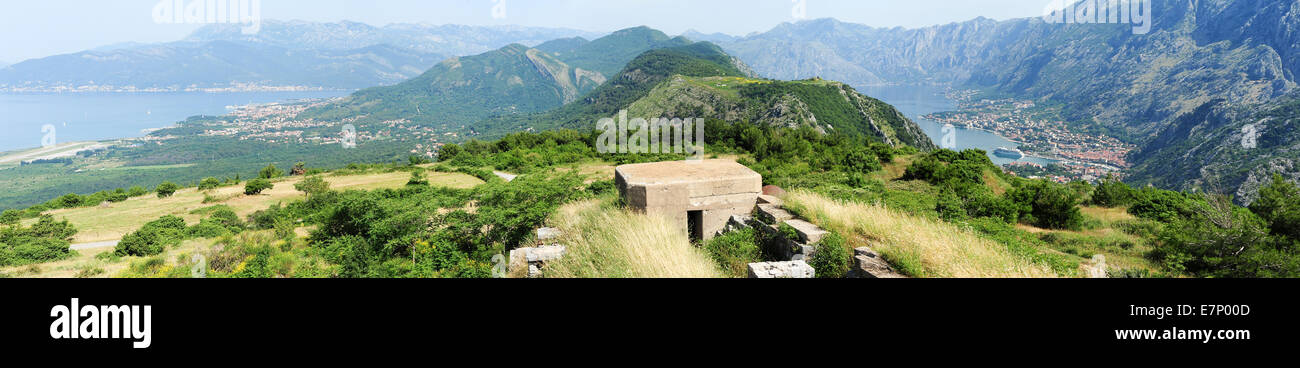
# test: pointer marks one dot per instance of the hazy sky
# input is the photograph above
(38, 28)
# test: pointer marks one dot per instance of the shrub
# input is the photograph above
(153, 237)
(10, 217)
(209, 183)
(136, 191)
(734, 251)
(1112, 193)
(270, 172)
(256, 186)
(312, 186)
(1279, 206)
(1048, 205)
(833, 258)
(166, 189)
(417, 179)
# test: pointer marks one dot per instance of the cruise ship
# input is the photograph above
(1012, 153)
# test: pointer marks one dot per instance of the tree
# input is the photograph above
(299, 168)
(1279, 206)
(270, 172)
(209, 183)
(256, 186)
(166, 189)
(448, 152)
(418, 179)
(312, 186)
(1048, 205)
(1112, 193)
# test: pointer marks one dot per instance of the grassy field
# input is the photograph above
(605, 241)
(111, 222)
(919, 247)
(86, 265)
(1104, 235)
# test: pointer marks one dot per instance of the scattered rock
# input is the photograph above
(867, 264)
(781, 270)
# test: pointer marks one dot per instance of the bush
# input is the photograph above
(10, 217)
(153, 237)
(833, 258)
(270, 172)
(209, 183)
(734, 251)
(417, 179)
(312, 186)
(1112, 193)
(1048, 205)
(166, 189)
(136, 191)
(1279, 206)
(256, 186)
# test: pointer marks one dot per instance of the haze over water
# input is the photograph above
(99, 116)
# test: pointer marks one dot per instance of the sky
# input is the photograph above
(39, 28)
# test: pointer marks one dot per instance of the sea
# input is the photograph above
(918, 101)
(98, 116)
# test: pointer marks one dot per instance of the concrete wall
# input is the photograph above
(718, 188)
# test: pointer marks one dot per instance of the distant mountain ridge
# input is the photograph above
(342, 55)
(1201, 60)
(510, 81)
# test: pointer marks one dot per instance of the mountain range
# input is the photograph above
(1202, 59)
(515, 79)
(342, 55)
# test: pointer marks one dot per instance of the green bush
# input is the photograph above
(10, 217)
(153, 237)
(209, 183)
(734, 251)
(270, 172)
(256, 186)
(166, 189)
(832, 258)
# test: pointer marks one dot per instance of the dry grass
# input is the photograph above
(85, 260)
(918, 246)
(96, 224)
(607, 242)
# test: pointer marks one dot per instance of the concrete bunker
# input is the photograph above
(700, 195)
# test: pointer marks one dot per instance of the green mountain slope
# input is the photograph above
(514, 79)
(702, 81)
(827, 106)
(1223, 149)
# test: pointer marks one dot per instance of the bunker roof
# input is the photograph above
(673, 172)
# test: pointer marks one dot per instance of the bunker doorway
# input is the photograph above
(695, 225)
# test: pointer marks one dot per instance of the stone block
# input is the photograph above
(867, 264)
(808, 233)
(781, 270)
(773, 214)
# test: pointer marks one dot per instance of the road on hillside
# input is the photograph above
(507, 177)
(104, 244)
